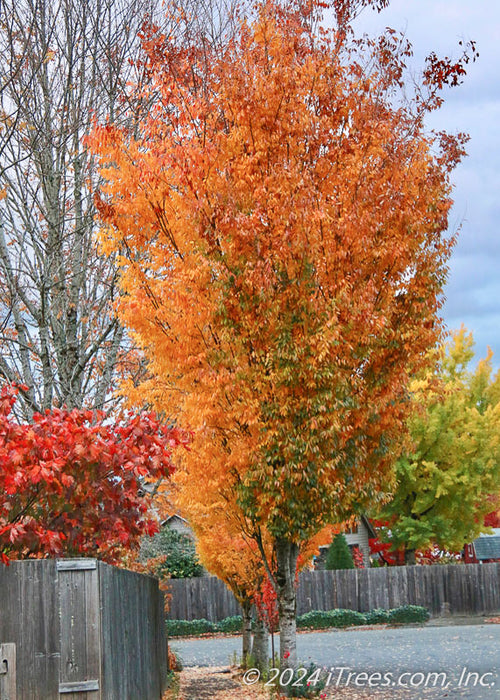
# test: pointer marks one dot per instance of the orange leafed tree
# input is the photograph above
(281, 219)
(226, 542)
(226, 551)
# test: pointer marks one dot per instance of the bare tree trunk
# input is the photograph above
(260, 646)
(286, 566)
(247, 632)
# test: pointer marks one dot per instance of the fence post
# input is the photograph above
(7, 672)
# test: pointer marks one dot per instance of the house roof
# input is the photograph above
(175, 516)
(371, 530)
(488, 546)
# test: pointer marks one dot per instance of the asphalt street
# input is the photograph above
(453, 661)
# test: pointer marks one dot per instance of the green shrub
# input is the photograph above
(321, 619)
(346, 618)
(186, 628)
(230, 625)
(377, 616)
(339, 555)
(408, 613)
(315, 620)
(170, 554)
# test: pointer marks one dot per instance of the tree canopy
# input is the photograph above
(450, 478)
(70, 481)
(280, 216)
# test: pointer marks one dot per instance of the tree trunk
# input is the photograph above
(410, 559)
(247, 632)
(286, 566)
(260, 647)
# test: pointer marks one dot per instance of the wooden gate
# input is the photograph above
(79, 670)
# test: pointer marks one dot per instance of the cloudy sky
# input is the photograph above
(473, 289)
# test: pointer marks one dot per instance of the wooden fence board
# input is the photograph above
(29, 618)
(76, 667)
(7, 672)
(133, 638)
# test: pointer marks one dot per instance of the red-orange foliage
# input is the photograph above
(357, 556)
(267, 605)
(492, 519)
(70, 481)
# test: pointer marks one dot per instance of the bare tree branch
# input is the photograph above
(64, 63)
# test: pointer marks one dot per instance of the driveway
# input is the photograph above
(453, 661)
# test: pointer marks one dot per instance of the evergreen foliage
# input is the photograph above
(339, 555)
(174, 555)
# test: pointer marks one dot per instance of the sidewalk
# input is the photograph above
(447, 620)
(217, 683)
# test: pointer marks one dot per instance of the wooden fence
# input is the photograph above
(204, 597)
(458, 589)
(79, 629)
